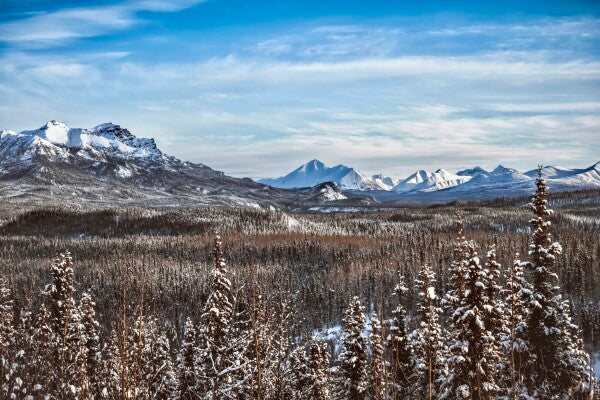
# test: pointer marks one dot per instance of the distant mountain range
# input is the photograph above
(440, 184)
(315, 172)
(107, 164)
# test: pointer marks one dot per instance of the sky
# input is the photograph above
(256, 88)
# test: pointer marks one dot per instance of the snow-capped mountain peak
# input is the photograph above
(475, 181)
(502, 173)
(385, 182)
(106, 150)
(423, 181)
(500, 169)
(315, 172)
(311, 166)
(108, 138)
(52, 131)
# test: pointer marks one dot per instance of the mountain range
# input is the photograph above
(107, 164)
(440, 183)
(315, 172)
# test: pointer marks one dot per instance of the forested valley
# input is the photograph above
(488, 300)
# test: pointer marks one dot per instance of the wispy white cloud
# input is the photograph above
(67, 24)
(493, 66)
(567, 26)
(590, 106)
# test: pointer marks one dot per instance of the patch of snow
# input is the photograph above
(124, 172)
(331, 194)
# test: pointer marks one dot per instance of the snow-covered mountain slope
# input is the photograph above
(60, 140)
(315, 172)
(328, 191)
(423, 181)
(108, 164)
(106, 152)
(499, 175)
(508, 182)
(570, 176)
(384, 182)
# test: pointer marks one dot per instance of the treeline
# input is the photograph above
(473, 337)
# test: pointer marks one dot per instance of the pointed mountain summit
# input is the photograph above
(315, 172)
(312, 166)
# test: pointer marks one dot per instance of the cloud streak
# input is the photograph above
(67, 24)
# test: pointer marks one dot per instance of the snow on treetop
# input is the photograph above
(431, 293)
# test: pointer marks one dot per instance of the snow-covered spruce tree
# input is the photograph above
(554, 366)
(378, 370)
(260, 351)
(187, 385)
(514, 345)
(268, 346)
(23, 361)
(458, 271)
(148, 369)
(281, 321)
(308, 373)
(39, 378)
(115, 366)
(352, 382)
(317, 386)
(576, 356)
(92, 384)
(401, 365)
(495, 311)
(220, 357)
(65, 322)
(162, 381)
(429, 348)
(453, 299)
(474, 351)
(299, 373)
(8, 361)
(136, 363)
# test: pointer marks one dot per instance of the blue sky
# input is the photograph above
(257, 88)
